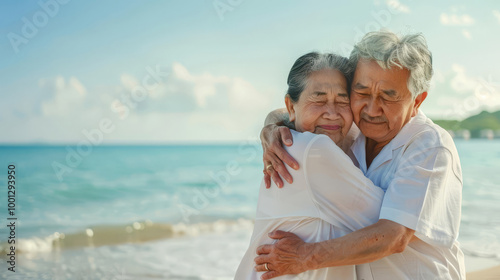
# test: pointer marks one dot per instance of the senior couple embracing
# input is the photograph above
(358, 182)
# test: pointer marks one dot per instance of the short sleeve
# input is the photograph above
(343, 194)
(425, 194)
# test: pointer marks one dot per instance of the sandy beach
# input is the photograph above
(486, 274)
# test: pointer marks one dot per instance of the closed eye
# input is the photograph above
(342, 101)
(361, 93)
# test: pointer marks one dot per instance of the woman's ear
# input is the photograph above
(290, 108)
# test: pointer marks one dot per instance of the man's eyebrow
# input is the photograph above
(389, 92)
(318, 93)
(359, 86)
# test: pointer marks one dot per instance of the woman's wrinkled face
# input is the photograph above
(323, 107)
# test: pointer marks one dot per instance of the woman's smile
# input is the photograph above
(330, 127)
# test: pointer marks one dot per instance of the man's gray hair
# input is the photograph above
(407, 51)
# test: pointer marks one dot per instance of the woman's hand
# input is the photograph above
(289, 255)
(273, 137)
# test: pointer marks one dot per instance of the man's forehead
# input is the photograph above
(368, 71)
(373, 65)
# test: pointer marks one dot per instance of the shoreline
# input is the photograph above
(478, 268)
(475, 263)
(485, 274)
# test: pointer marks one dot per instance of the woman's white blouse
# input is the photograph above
(329, 198)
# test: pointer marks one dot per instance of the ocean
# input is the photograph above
(173, 212)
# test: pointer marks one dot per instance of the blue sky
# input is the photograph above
(220, 65)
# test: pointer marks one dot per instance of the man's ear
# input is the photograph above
(290, 108)
(418, 101)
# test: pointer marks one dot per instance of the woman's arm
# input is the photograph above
(273, 136)
(278, 116)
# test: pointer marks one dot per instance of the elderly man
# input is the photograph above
(403, 152)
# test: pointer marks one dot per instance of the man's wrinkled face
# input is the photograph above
(380, 100)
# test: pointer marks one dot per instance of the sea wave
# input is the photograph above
(481, 254)
(137, 232)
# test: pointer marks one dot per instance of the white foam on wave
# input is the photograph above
(482, 254)
(214, 227)
(52, 242)
(213, 255)
(199, 251)
(34, 244)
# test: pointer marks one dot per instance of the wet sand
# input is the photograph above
(486, 274)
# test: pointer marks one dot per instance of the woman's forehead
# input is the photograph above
(326, 86)
(327, 77)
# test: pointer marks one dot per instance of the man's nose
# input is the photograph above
(373, 107)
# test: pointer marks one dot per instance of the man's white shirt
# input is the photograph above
(420, 172)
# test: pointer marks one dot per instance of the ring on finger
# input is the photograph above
(265, 265)
(269, 166)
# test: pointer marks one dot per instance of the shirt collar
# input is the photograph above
(358, 149)
(404, 135)
(408, 131)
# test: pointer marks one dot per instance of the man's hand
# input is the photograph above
(273, 137)
(291, 255)
(287, 256)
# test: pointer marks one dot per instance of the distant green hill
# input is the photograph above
(483, 120)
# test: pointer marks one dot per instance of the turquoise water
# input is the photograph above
(480, 227)
(123, 184)
(134, 193)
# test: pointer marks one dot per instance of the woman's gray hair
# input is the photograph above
(407, 51)
(312, 62)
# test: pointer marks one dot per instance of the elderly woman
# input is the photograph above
(329, 197)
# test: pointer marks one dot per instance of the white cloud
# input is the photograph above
(68, 96)
(397, 6)
(460, 82)
(497, 15)
(183, 107)
(466, 34)
(184, 91)
(129, 81)
(197, 126)
(456, 20)
(461, 95)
